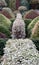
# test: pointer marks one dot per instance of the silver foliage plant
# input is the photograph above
(18, 28)
(20, 52)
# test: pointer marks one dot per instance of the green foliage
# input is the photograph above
(4, 30)
(7, 1)
(27, 21)
(36, 42)
(5, 21)
(2, 45)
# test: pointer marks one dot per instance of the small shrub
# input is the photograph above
(32, 24)
(35, 31)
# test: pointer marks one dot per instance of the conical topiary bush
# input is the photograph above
(32, 24)
(34, 1)
(8, 12)
(12, 4)
(35, 31)
(5, 21)
(31, 14)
